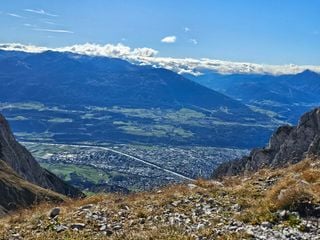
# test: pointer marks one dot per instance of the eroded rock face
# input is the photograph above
(287, 145)
(297, 145)
(22, 162)
(18, 193)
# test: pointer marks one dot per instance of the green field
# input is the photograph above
(87, 173)
(114, 124)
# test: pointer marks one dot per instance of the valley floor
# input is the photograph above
(271, 204)
(129, 166)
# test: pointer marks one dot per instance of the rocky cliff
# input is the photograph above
(18, 193)
(287, 145)
(22, 162)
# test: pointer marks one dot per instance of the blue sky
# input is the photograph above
(272, 32)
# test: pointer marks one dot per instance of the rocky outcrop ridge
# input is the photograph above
(22, 162)
(18, 193)
(287, 145)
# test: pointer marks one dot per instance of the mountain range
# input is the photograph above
(285, 97)
(67, 78)
(88, 98)
(99, 99)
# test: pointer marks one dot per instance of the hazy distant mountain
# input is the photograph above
(287, 95)
(52, 77)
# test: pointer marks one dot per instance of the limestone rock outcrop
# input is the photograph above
(287, 145)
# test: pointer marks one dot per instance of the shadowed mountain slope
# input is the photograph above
(18, 193)
(66, 78)
(22, 162)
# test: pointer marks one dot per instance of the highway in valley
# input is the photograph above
(123, 154)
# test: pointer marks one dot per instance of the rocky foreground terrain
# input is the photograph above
(270, 204)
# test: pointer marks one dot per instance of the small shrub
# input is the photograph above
(293, 220)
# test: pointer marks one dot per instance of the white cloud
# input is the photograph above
(41, 12)
(52, 30)
(15, 15)
(109, 50)
(169, 39)
(194, 41)
(144, 52)
(29, 25)
(186, 29)
(148, 56)
(49, 22)
(22, 47)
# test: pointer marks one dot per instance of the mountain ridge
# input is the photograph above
(148, 56)
(288, 145)
(17, 193)
(287, 96)
(48, 66)
(22, 162)
(96, 87)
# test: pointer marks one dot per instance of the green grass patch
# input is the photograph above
(88, 173)
(157, 130)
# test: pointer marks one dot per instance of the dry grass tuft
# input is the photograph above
(297, 189)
